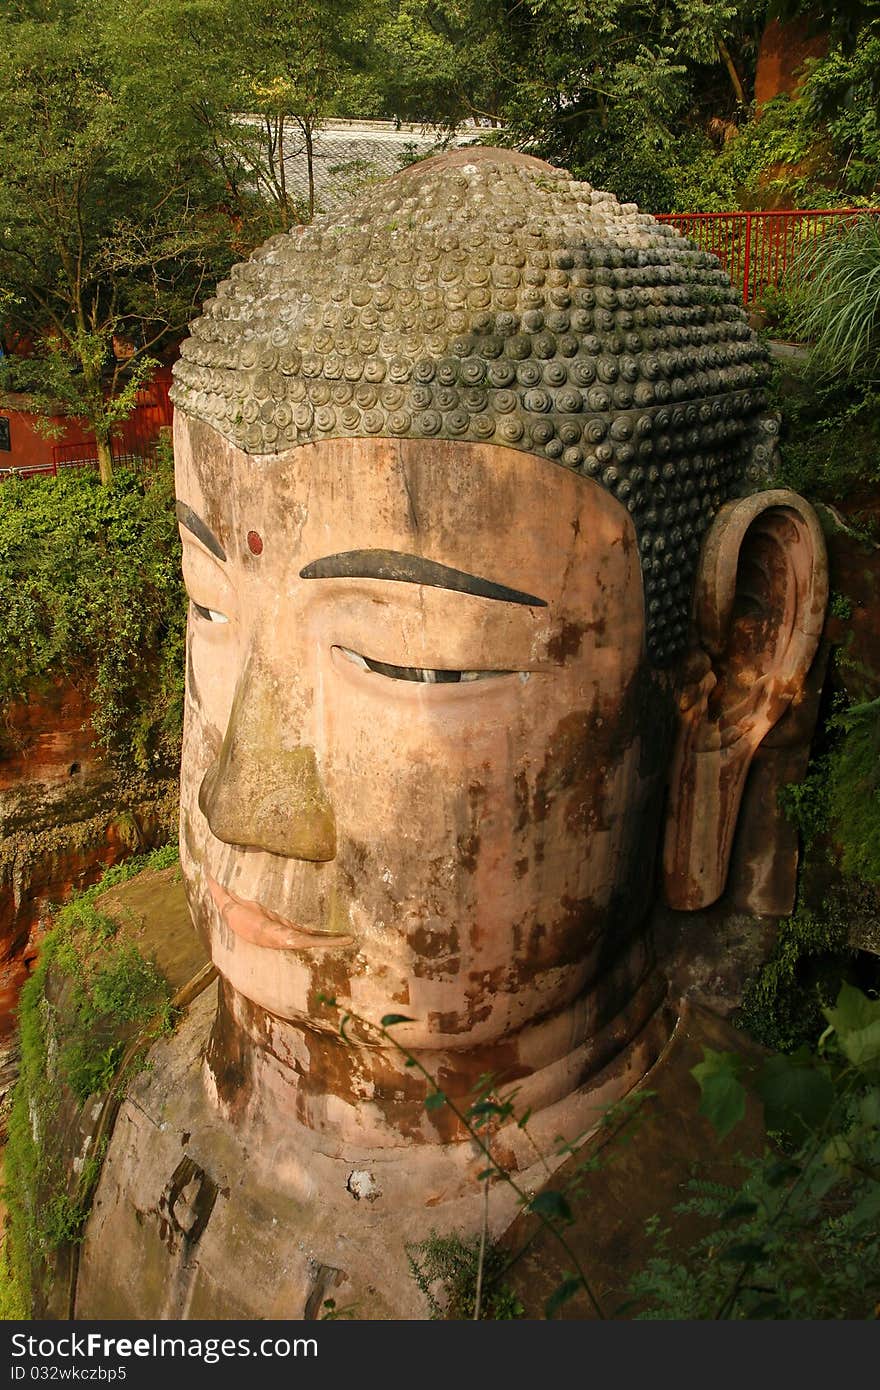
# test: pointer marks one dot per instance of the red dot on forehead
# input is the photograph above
(255, 542)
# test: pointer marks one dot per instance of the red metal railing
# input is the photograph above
(761, 249)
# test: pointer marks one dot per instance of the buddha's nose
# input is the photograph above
(261, 793)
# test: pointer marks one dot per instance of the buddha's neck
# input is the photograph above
(285, 1082)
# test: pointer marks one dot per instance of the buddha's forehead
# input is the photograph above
(514, 518)
(494, 299)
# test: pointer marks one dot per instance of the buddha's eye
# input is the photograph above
(209, 614)
(426, 675)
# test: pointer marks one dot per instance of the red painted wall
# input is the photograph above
(32, 449)
(29, 447)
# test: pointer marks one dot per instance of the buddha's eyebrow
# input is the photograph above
(412, 569)
(188, 518)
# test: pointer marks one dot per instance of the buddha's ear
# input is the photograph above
(759, 607)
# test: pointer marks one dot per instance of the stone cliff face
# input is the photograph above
(66, 813)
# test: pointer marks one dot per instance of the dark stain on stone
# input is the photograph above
(468, 847)
(352, 860)
(186, 1205)
(521, 868)
(521, 792)
(566, 762)
(325, 1278)
(229, 1054)
(436, 943)
(330, 979)
(566, 641)
(191, 686)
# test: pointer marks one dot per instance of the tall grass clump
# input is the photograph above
(838, 303)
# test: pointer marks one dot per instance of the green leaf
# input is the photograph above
(743, 1206)
(863, 1048)
(723, 1097)
(781, 1172)
(570, 1285)
(767, 1308)
(551, 1205)
(797, 1092)
(389, 1020)
(744, 1253)
(484, 1110)
(856, 1020)
(435, 1100)
(488, 1107)
(867, 1211)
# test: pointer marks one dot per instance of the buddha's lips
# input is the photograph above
(264, 928)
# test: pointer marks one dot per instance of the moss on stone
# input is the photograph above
(91, 990)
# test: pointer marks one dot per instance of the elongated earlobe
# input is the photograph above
(760, 602)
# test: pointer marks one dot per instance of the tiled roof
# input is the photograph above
(347, 155)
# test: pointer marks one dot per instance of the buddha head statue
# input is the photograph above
(488, 620)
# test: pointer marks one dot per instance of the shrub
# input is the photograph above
(91, 591)
(800, 1237)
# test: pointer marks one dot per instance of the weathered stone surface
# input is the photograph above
(266, 1235)
(64, 818)
(151, 911)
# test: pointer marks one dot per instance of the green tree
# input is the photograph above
(621, 91)
(251, 81)
(104, 238)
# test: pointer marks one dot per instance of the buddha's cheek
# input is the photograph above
(480, 880)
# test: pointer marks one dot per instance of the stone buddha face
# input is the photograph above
(472, 607)
(422, 739)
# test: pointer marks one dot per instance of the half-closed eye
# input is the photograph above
(427, 675)
(210, 615)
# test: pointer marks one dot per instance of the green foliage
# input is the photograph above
(453, 1262)
(800, 1237)
(840, 796)
(13, 1295)
(839, 606)
(776, 308)
(102, 234)
(91, 591)
(723, 1097)
(840, 313)
(855, 790)
(196, 66)
(830, 445)
(783, 1006)
(837, 811)
(842, 96)
(807, 804)
(87, 988)
(651, 101)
